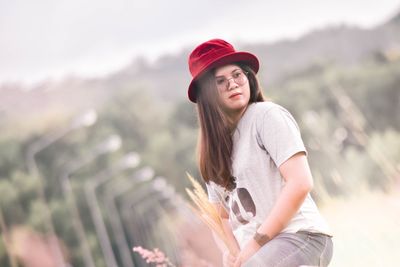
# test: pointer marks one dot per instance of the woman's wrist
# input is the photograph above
(261, 238)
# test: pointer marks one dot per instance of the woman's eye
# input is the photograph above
(237, 74)
(220, 81)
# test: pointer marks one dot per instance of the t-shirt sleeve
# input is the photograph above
(279, 134)
(212, 193)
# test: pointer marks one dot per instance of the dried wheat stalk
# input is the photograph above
(208, 213)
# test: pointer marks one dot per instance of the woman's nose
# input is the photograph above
(232, 84)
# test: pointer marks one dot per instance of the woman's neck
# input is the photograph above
(235, 117)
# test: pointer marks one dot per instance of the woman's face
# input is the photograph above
(233, 90)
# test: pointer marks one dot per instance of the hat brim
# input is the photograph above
(235, 57)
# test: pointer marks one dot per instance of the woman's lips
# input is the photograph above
(234, 95)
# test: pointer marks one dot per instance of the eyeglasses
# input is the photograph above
(238, 76)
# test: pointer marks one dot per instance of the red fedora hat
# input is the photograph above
(215, 53)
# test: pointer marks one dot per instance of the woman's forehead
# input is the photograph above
(226, 69)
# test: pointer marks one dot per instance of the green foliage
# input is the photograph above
(165, 136)
(10, 156)
(36, 212)
(8, 193)
(27, 185)
(345, 141)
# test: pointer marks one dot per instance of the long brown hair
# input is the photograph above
(215, 138)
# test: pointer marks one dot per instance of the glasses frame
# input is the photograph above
(227, 80)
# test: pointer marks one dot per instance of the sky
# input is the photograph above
(47, 39)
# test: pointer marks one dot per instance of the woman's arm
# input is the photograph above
(298, 183)
(297, 175)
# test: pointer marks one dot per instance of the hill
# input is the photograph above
(167, 78)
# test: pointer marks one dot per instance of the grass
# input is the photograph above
(366, 229)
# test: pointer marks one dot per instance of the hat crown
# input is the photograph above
(206, 52)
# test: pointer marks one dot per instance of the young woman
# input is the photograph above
(253, 161)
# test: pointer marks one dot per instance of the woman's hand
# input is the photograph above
(237, 263)
(248, 251)
(228, 259)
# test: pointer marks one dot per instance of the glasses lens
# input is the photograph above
(238, 77)
(221, 82)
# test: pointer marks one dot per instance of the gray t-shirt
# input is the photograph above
(266, 136)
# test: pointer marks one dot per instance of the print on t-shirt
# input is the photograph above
(243, 205)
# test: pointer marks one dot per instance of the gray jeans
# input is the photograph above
(293, 250)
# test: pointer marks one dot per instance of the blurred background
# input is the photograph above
(96, 132)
